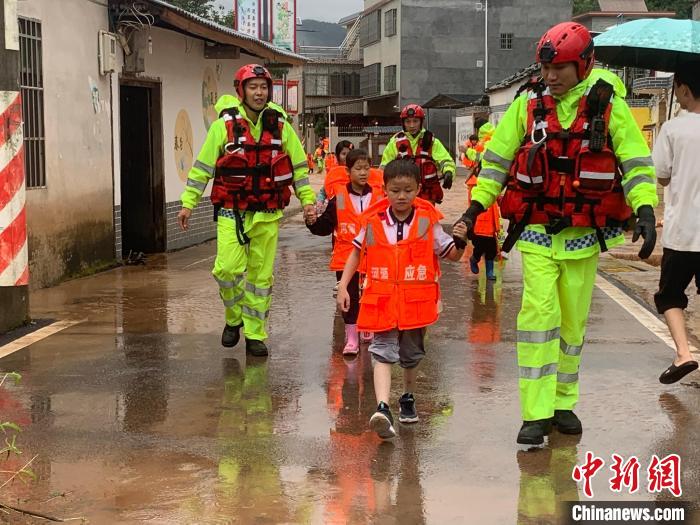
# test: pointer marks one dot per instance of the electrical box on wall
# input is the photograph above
(107, 51)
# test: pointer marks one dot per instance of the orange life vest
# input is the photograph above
(487, 224)
(348, 225)
(331, 161)
(401, 287)
(423, 157)
(468, 163)
(568, 177)
(253, 175)
(338, 176)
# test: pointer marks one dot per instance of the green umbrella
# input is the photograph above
(661, 44)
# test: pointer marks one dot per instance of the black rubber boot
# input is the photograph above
(567, 422)
(231, 336)
(255, 348)
(533, 432)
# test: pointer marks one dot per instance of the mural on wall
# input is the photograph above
(184, 152)
(210, 94)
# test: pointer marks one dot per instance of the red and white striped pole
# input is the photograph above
(14, 270)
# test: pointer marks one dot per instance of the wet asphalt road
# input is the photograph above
(138, 415)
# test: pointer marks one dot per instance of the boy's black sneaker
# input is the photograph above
(231, 335)
(407, 409)
(567, 422)
(255, 348)
(533, 432)
(382, 422)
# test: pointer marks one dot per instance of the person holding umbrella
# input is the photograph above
(676, 157)
(576, 167)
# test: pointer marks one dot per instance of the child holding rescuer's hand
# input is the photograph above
(342, 218)
(400, 242)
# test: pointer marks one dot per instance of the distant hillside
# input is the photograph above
(315, 33)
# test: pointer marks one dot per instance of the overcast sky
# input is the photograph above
(328, 10)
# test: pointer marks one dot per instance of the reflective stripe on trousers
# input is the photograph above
(244, 273)
(551, 328)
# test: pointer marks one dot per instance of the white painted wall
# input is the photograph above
(388, 50)
(500, 100)
(178, 62)
(70, 221)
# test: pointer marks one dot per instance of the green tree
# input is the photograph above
(585, 6)
(206, 9)
(683, 8)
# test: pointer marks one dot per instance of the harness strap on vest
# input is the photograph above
(427, 142)
(599, 232)
(517, 230)
(243, 239)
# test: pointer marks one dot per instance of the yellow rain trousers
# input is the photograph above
(244, 271)
(551, 329)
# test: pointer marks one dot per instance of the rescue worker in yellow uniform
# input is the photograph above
(576, 167)
(255, 159)
(419, 144)
(474, 154)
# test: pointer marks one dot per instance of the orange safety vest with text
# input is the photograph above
(338, 176)
(348, 225)
(401, 286)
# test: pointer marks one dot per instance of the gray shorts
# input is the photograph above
(405, 347)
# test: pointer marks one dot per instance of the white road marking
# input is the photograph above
(35, 337)
(198, 262)
(644, 316)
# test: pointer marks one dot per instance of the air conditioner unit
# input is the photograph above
(107, 52)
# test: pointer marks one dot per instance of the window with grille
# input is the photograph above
(370, 28)
(369, 80)
(390, 22)
(506, 40)
(390, 78)
(316, 85)
(32, 88)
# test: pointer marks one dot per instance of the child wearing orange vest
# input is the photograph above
(342, 219)
(485, 240)
(336, 173)
(400, 243)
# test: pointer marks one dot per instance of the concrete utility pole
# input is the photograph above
(486, 44)
(14, 270)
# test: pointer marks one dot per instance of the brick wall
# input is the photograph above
(202, 226)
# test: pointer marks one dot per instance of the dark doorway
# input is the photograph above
(142, 179)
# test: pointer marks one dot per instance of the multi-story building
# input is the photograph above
(415, 50)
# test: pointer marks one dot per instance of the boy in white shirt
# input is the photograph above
(677, 159)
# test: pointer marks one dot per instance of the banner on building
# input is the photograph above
(248, 17)
(291, 103)
(278, 92)
(293, 97)
(284, 26)
(464, 127)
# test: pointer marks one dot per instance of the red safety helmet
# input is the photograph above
(567, 42)
(413, 111)
(250, 71)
